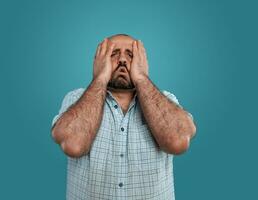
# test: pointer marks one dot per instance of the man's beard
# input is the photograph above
(120, 81)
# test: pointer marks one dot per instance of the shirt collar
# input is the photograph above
(110, 96)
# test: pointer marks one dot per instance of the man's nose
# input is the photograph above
(122, 62)
(122, 59)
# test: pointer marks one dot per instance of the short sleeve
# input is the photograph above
(173, 98)
(69, 99)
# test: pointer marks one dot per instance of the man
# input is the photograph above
(120, 134)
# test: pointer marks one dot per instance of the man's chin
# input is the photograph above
(121, 90)
(121, 83)
(121, 86)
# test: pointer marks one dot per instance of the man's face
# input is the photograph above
(121, 58)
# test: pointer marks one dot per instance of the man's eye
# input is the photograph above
(131, 55)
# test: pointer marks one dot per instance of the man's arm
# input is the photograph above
(170, 125)
(76, 129)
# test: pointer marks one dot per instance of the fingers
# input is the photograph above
(138, 49)
(99, 48)
(103, 47)
(141, 48)
(135, 48)
(110, 48)
(97, 51)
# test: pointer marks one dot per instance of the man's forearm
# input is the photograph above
(170, 125)
(76, 129)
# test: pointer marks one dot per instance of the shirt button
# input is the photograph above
(122, 129)
(121, 155)
(120, 184)
(115, 106)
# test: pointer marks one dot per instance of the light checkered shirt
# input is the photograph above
(124, 162)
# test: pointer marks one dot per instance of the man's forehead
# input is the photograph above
(121, 41)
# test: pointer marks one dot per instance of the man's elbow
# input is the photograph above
(178, 146)
(74, 150)
(72, 147)
(181, 143)
(192, 128)
(56, 134)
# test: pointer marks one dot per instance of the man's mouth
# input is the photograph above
(122, 69)
(121, 75)
(120, 72)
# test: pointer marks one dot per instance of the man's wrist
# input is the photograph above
(101, 80)
(140, 79)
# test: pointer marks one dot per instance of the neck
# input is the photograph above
(125, 95)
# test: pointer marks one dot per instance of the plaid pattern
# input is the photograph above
(124, 161)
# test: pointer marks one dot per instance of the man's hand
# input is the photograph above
(102, 64)
(139, 66)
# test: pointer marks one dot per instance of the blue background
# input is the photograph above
(205, 52)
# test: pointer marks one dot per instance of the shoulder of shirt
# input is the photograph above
(73, 95)
(70, 98)
(170, 95)
(173, 98)
(75, 92)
